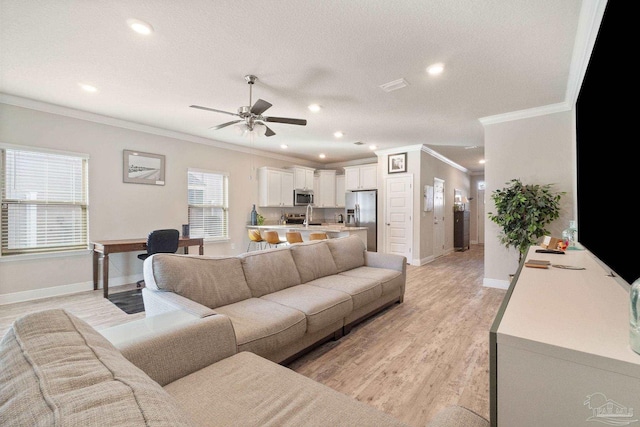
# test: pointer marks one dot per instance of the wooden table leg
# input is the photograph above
(105, 275)
(202, 248)
(186, 250)
(96, 257)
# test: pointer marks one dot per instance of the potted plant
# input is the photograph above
(523, 211)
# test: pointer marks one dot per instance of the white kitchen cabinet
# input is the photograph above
(324, 194)
(340, 191)
(363, 177)
(275, 187)
(302, 177)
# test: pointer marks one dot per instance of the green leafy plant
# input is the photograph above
(523, 211)
(260, 219)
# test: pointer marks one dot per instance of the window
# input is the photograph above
(208, 204)
(44, 201)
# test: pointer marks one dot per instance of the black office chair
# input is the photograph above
(160, 241)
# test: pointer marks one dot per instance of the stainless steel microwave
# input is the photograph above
(302, 197)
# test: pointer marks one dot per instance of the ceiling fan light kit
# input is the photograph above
(251, 115)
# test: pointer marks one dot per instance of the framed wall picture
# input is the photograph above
(143, 168)
(397, 163)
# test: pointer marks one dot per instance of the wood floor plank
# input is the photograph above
(410, 361)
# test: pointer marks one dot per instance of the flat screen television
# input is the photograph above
(608, 168)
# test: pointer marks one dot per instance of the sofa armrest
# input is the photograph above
(175, 352)
(382, 260)
(158, 302)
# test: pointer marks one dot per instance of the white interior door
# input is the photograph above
(438, 217)
(399, 221)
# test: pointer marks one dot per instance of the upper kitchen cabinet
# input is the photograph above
(363, 177)
(302, 177)
(275, 187)
(340, 191)
(324, 193)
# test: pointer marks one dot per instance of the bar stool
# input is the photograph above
(273, 239)
(255, 238)
(318, 235)
(294, 237)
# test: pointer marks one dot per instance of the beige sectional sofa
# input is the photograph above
(59, 371)
(280, 301)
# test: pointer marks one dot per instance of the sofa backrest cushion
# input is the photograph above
(57, 370)
(348, 252)
(313, 260)
(269, 271)
(210, 281)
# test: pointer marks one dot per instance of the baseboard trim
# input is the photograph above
(56, 291)
(495, 283)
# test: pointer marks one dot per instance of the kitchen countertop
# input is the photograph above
(329, 228)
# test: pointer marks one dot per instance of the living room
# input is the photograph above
(535, 144)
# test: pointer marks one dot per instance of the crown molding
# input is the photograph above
(125, 124)
(525, 114)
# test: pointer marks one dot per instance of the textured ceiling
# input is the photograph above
(499, 56)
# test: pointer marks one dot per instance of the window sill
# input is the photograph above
(61, 254)
(214, 240)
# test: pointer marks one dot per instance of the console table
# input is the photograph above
(102, 248)
(559, 348)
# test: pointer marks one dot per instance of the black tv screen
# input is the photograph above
(608, 169)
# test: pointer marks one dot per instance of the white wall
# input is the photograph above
(118, 210)
(537, 150)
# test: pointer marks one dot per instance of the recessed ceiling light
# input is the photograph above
(322, 156)
(481, 162)
(284, 146)
(435, 69)
(373, 147)
(88, 88)
(314, 107)
(338, 134)
(140, 27)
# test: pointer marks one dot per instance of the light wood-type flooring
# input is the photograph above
(410, 361)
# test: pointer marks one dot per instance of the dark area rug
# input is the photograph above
(128, 301)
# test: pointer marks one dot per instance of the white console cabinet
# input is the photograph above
(559, 348)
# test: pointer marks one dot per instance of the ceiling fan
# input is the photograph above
(252, 114)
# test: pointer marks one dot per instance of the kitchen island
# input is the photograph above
(333, 230)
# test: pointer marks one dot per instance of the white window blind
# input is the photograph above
(44, 202)
(208, 204)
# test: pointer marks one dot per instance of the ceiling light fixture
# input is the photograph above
(88, 88)
(314, 107)
(394, 85)
(435, 69)
(373, 147)
(140, 27)
(481, 162)
(284, 146)
(322, 156)
(338, 134)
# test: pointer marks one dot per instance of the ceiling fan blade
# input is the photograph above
(214, 110)
(268, 132)
(260, 107)
(301, 122)
(225, 124)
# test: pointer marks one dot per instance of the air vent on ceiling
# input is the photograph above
(359, 143)
(394, 85)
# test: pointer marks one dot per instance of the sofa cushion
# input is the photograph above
(313, 260)
(321, 306)
(361, 289)
(210, 281)
(391, 280)
(269, 271)
(348, 252)
(262, 326)
(245, 390)
(57, 370)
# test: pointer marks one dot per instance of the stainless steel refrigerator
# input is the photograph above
(361, 209)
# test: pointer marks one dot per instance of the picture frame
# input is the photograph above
(143, 168)
(397, 163)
